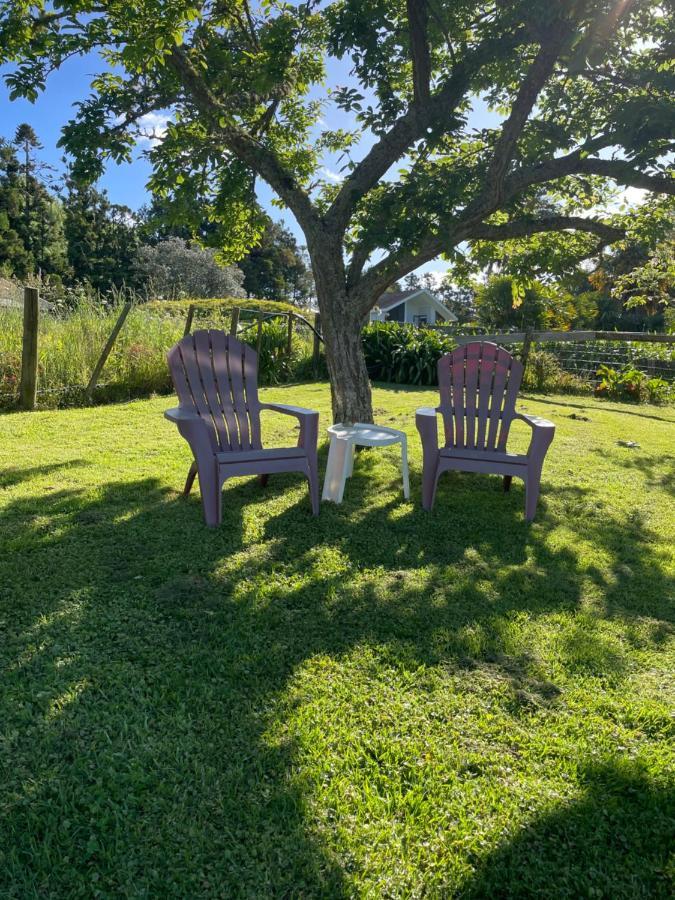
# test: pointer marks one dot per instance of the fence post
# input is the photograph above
(258, 340)
(316, 348)
(110, 343)
(289, 338)
(29, 350)
(234, 322)
(188, 321)
(527, 343)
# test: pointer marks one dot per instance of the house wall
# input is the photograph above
(419, 306)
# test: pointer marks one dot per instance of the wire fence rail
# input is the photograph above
(26, 390)
(582, 353)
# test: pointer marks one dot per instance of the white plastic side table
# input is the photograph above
(343, 440)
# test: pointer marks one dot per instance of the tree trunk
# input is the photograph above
(341, 323)
(349, 382)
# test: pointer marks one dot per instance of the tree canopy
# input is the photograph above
(582, 92)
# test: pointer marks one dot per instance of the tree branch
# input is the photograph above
(525, 227)
(412, 126)
(577, 164)
(401, 262)
(535, 79)
(418, 19)
(245, 146)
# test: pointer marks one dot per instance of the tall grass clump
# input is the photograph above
(71, 341)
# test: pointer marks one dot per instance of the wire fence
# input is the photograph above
(585, 359)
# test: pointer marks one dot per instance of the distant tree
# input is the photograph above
(504, 303)
(15, 258)
(275, 268)
(31, 217)
(102, 237)
(171, 268)
(27, 142)
(459, 299)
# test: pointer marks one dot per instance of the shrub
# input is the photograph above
(624, 384)
(403, 354)
(544, 374)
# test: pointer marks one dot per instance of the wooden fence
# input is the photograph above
(29, 362)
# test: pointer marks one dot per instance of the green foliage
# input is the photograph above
(506, 303)
(378, 702)
(173, 268)
(631, 384)
(102, 237)
(275, 269)
(403, 354)
(544, 374)
(31, 218)
(70, 344)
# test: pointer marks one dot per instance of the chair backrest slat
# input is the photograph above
(220, 351)
(235, 363)
(250, 367)
(510, 397)
(204, 361)
(472, 364)
(457, 386)
(485, 379)
(217, 375)
(479, 385)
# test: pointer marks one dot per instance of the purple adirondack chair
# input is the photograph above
(479, 383)
(216, 379)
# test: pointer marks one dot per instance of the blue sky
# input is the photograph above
(126, 184)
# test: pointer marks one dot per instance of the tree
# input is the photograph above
(583, 88)
(14, 257)
(31, 218)
(460, 299)
(171, 269)
(102, 237)
(505, 304)
(27, 141)
(275, 269)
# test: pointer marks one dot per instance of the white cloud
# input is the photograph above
(331, 176)
(633, 196)
(152, 127)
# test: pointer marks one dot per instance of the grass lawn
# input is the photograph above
(380, 702)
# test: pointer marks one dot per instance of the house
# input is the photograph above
(418, 307)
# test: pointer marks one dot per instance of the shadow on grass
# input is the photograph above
(624, 408)
(15, 475)
(145, 658)
(657, 469)
(622, 825)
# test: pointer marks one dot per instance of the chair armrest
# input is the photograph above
(543, 432)
(194, 429)
(287, 410)
(309, 423)
(179, 415)
(427, 426)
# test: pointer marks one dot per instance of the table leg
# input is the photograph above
(404, 467)
(334, 480)
(350, 459)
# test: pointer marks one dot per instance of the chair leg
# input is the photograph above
(210, 487)
(429, 483)
(336, 469)
(263, 479)
(190, 480)
(532, 484)
(507, 483)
